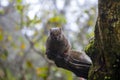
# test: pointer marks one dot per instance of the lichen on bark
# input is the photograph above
(105, 49)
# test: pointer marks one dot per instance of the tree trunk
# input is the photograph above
(105, 50)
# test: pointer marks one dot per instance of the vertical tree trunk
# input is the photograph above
(107, 42)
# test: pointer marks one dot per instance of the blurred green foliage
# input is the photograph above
(24, 27)
(57, 21)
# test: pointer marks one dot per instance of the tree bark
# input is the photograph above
(105, 49)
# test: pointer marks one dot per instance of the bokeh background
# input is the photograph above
(24, 27)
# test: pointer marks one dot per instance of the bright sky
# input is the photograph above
(35, 7)
(74, 7)
(60, 4)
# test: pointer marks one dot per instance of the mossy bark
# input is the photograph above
(105, 48)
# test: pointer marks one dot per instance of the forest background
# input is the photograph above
(24, 27)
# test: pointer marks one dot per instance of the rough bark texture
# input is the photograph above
(105, 48)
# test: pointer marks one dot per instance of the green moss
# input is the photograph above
(92, 52)
(90, 49)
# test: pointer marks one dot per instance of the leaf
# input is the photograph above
(29, 64)
(57, 20)
(5, 52)
(4, 55)
(21, 53)
(89, 35)
(9, 75)
(23, 46)
(20, 8)
(1, 37)
(38, 71)
(68, 74)
(42, 71)
(21, 39)
(90, 22)
(9, 38)
(13, 44)
(19, 1)
(2, 11)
